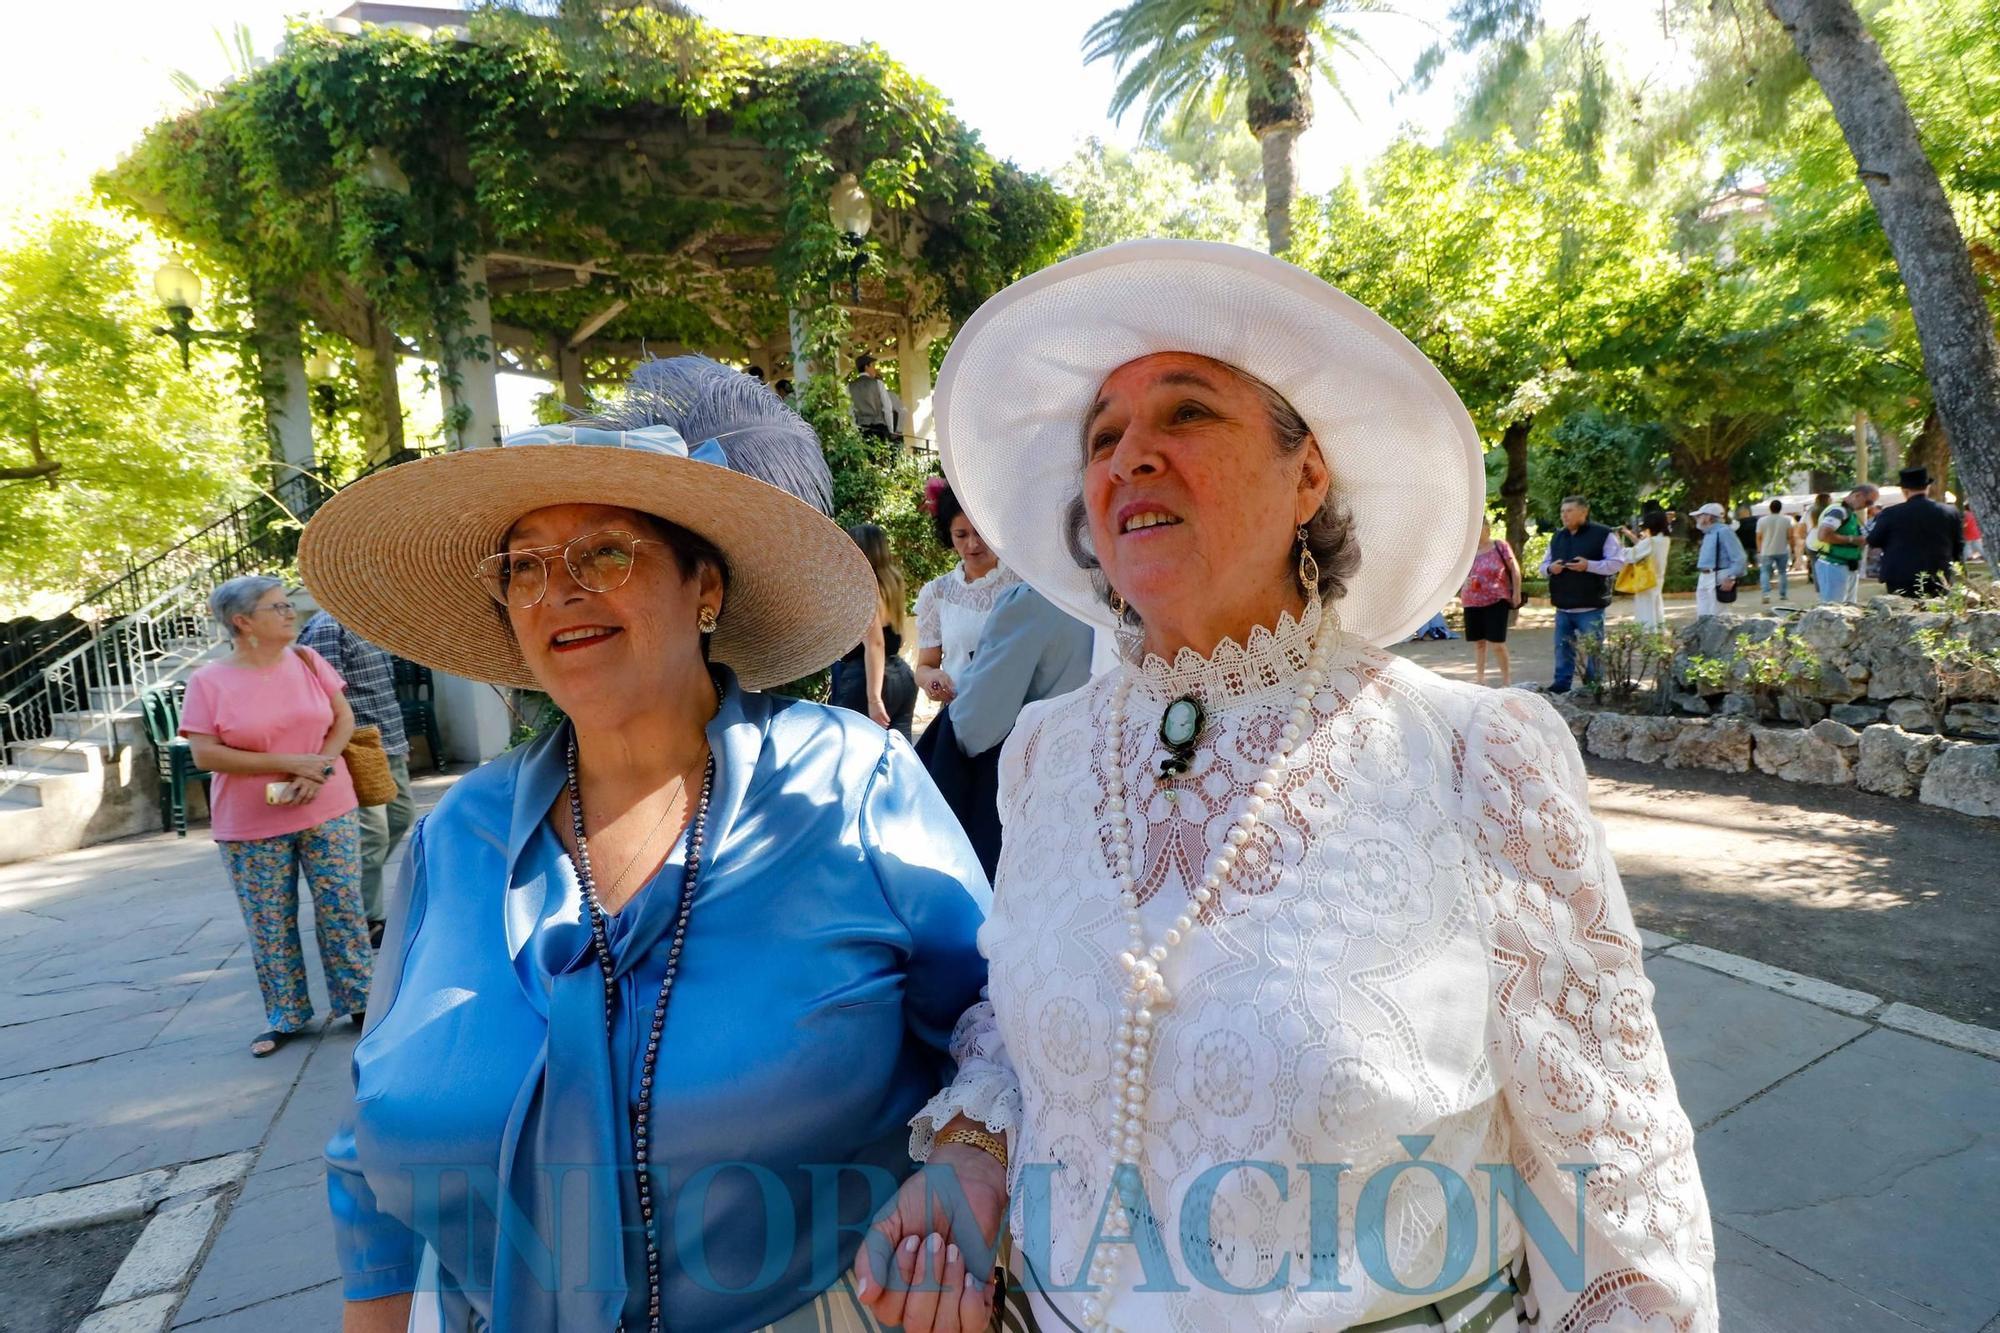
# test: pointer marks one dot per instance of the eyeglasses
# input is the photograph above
(598, 561)
(282, 608)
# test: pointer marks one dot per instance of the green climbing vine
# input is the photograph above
(362, 168)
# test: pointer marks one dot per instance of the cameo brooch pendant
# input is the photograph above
(1180, 730)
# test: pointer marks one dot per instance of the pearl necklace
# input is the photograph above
(1146, 989)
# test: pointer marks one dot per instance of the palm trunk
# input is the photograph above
(1954, 327)
(1280, 144)
(1514, 486)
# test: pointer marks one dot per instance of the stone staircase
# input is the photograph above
(94, 775)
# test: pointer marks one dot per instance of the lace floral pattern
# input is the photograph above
(1423, 937)
(951, 610)
(985, 1088)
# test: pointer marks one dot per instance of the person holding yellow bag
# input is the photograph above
(1645, 571)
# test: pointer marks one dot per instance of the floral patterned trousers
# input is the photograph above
(265, 873)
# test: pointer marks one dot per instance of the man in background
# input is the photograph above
(371, 692)
(1920, 539)
(1837, 569)
(1583, 558)
(876, 411)
(1774, 552)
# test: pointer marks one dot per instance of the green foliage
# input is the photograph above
(108, 448)
(1610, 459)
(1632, 657)
(1705, 675)
(361, 168)
(1781, 663)
(1124, 196)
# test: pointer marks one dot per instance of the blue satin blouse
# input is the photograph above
(830, 951)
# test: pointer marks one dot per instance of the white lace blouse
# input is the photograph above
(1424, 951)
(952, 610)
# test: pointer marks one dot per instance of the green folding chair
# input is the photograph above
(414, 695)
(162, 712)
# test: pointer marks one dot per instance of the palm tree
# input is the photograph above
(1178, 55)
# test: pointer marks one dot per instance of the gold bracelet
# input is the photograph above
(972, 1137)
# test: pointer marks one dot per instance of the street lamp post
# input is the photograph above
(853, 213)
(179, 289)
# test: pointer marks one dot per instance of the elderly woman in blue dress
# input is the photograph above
(665, 984)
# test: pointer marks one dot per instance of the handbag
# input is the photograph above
(367, 761)
(1637, 578)
(368, 765)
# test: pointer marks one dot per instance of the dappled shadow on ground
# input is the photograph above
(1891, 897)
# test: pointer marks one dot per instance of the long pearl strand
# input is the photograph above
(1146, 990)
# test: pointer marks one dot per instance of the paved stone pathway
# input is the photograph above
(1850, 1164)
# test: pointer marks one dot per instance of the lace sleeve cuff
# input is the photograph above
(986, 1089)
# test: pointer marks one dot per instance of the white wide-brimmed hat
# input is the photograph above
(392, 556)
(1027, 366)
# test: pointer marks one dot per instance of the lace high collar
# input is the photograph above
(1235, 673)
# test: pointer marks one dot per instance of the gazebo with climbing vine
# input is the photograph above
(559, 196)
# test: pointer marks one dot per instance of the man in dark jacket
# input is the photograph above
(1920, 539)
(1583, 558)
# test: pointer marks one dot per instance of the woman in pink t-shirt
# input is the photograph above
(270, 721)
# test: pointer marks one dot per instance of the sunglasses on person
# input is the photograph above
(598, 561)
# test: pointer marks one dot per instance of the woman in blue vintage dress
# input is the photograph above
(663, 986)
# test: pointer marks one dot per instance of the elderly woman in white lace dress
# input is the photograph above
(1315, 1000)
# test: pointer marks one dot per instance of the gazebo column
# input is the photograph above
(475, 396)
(281, 366)
(569, 372)
(913, 372)
(471, 715)
(381, 400)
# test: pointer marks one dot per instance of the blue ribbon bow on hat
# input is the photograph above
(651, 439)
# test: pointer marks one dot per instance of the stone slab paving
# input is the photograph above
(1850, 1166)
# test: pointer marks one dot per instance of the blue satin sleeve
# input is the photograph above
(933, 882)
(379, 1256)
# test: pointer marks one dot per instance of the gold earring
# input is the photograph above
(1308, 568)
(706, 619)
(1117, 605)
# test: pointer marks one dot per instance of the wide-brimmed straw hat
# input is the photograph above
(392, 556)
(1021, 375)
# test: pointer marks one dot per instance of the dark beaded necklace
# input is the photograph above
(600, 941)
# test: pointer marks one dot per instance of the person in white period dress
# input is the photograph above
(952, 608)
(1313, 990)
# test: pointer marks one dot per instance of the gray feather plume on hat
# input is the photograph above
(706, 400)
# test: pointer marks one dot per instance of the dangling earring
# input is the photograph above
(1308, 568)
(1117, 605)
(705, 619)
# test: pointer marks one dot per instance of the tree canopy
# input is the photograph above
(107, 447)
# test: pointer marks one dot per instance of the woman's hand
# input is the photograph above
(912, 1267)
(936, 684)
(878, 712)
(311, 766)
(300, 791)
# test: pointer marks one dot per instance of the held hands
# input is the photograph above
(925, 1265)
(936, 684)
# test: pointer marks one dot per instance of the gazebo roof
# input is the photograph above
(635, 178)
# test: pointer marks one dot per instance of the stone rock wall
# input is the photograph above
(1869, 662)
(1880, 757)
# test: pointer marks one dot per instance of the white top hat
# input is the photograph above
(1027, 366)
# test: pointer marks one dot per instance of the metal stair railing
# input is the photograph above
(146, 628)
(261, 533)
(88, 687)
